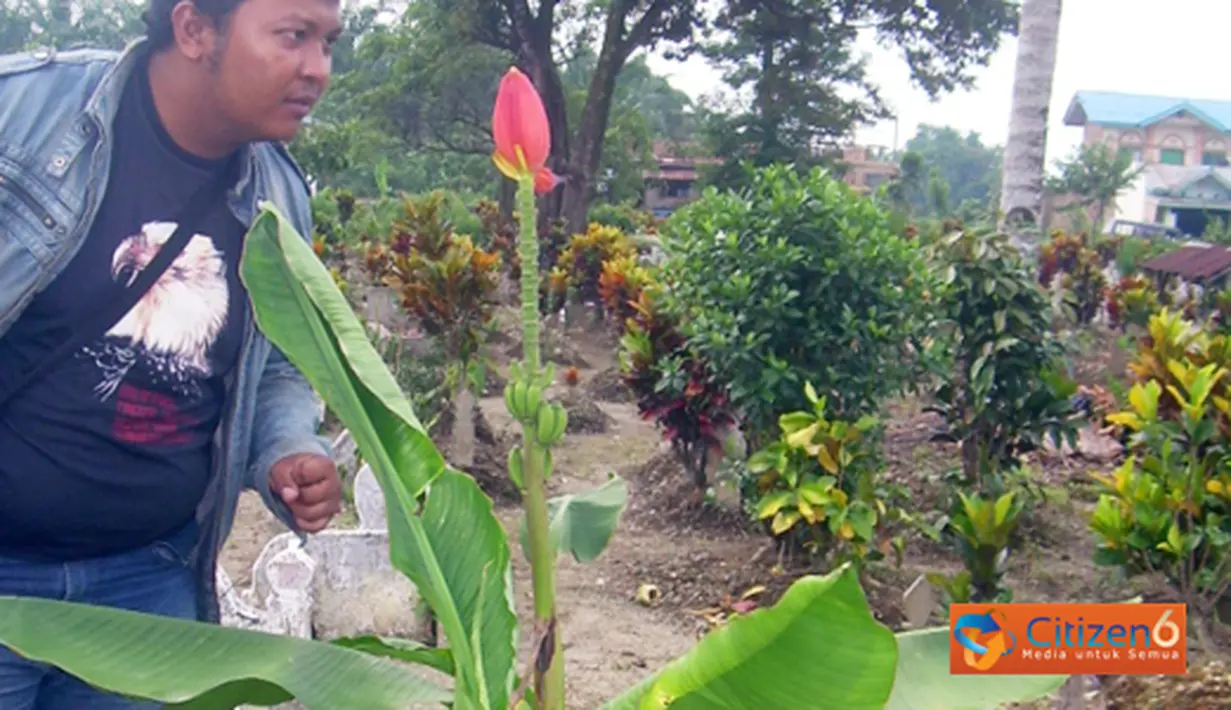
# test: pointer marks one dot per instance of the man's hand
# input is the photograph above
(310, 486)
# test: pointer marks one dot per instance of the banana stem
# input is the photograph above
(528, 251)
(549, 680)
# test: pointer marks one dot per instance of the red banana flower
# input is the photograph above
(522, 133)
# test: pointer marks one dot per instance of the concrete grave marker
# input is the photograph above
(918, 601)
(370, 501)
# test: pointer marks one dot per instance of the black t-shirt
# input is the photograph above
(113, 448)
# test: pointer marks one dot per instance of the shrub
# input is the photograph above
(442, 279)
(553, 291)
(1219, 306)
(620, 285)
(582, 260)
(1002, 391)
(326, 216)
(1058, 256)
(1134, 251)
(1131, 302)
(796, 279)
(1168, 508)
(816, 486)
(1085, 287)
(1170, 341)
(981, 528)
(674, 389)
(623, 216)
(500, 234)
(1081, 271)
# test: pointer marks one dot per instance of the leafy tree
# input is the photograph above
(809, 87)
(424, 85)
(807, 83)
(905, 190)
(1095, 175)
(971, 168)
(533, 35)
(645, 107)
(68, 23)
(1003, 392)
(938, 194)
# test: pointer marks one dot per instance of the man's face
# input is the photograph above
(273, 64)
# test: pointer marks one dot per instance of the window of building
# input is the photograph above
(1171, 156)
(1132, 153)
(875, 180)
(679, 188)
(1214, 157)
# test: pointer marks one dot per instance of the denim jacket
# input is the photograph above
(56, 111)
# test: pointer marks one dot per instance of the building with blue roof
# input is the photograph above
(1181, 142)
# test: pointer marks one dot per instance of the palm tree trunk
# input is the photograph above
(1021, 197)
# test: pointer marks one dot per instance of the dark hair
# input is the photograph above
(157, 18)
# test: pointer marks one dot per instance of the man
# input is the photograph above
(122, 467)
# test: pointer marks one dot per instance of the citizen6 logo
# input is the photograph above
(1166, 633)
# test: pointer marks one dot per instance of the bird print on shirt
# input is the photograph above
(169, 333)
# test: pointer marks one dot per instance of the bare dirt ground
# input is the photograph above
(696, 553)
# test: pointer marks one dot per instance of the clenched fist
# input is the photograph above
(310, 486)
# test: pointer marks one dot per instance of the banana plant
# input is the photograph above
(445, 537)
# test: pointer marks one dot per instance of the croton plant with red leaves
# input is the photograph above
(674, 390)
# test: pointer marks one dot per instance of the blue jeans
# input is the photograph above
(155, 579)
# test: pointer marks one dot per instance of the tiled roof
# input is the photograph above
(1116, 109)
(1192, 262)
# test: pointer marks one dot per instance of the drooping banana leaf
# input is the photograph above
(455, 549)
(582, 524)
(924, 682)
(818, 648)
(195, 666)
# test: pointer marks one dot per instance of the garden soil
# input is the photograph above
(698, 554)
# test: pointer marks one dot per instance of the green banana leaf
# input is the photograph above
(924, 683)
(401, 649)
(582, 524)
(818, 648)
(195, 666)
(457, 553)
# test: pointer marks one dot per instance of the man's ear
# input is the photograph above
(195, 34)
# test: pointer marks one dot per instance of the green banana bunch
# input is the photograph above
(552, 421)
(517, 471)
(523, 400)
(515, 468)
(543, 379)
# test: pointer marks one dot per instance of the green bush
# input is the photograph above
(457, 210)
(1000, 390)
(795, 279)
(816, 487)
(1167, 510)
(1132, 252)
(622, 216)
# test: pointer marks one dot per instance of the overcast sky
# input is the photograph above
(1163, 47)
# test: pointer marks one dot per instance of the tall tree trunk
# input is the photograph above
(1021, 197)
(505, 195)
(588, 148)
